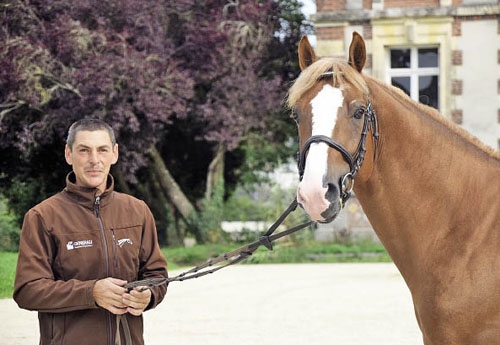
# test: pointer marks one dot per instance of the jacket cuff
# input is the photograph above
(90, 294)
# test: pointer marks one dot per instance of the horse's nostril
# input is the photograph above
(332, 193)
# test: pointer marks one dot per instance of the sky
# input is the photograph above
(308, 8)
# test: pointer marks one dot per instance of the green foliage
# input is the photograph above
(192, 256)
(263, 152)
(284, 251)
(206, 223)
(314, 252)
(9, 230)
(23, 195)
(264, 201)
(241, 207)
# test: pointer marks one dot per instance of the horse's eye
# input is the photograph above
(295, 114)
(358, 114)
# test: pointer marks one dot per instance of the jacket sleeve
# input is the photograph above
(152, 261)
(35, 287)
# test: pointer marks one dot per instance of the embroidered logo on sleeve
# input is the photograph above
(122, 242)
(78, 244)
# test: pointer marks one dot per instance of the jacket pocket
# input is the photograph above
(51, 328)
(126, 247)
(80, 248)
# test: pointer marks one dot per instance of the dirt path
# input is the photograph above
(312, 304)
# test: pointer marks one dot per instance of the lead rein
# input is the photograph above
(230, 258)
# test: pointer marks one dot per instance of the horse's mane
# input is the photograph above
(416, 107)
(342, 73)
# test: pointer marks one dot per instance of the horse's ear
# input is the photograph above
(306, 53)
(357, 52)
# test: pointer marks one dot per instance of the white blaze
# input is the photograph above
(324, 110)
(311, 192)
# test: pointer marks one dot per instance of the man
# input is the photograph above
(79, 248)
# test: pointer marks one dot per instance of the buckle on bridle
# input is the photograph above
(346, 185)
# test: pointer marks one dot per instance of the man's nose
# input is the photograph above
(94, 157)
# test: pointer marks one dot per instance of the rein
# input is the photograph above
(224, 260)
(346, 184)
(229, 258)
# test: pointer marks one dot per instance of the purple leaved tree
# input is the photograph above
(180, 81)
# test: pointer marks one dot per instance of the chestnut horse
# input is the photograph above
(429, 189)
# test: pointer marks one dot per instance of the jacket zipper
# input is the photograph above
(115, 260)
(97, 211)
(101, 227)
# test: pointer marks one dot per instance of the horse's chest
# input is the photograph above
(452, 309)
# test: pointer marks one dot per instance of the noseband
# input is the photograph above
(346, 182)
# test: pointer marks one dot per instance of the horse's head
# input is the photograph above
(330, 103)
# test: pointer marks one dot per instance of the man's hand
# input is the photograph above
(108, 294)
(137, 300)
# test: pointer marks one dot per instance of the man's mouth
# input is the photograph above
(93, 171)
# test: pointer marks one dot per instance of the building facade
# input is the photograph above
(443, 53)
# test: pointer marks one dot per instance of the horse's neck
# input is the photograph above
(423, 180)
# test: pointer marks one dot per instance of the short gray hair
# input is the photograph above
(91, 125)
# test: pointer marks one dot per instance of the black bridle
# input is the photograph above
(346, 182)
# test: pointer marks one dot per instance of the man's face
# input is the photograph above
(92, 155)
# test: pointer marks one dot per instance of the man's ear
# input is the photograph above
(115, 154)
(67, 155)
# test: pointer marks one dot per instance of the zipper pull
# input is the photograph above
(115, 260)
(96, 206)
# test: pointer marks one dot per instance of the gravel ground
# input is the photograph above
(313, 304)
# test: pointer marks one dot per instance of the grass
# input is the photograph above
(8, 262)
(283, 252)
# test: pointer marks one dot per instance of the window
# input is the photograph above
(415, 70)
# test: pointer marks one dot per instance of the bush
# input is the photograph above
(9, 230)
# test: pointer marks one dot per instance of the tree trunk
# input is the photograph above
(167, 229)
(170, 187)
(215, 170)
(120, 180)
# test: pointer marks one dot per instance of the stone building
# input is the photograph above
(444, 53)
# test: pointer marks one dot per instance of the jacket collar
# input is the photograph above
(86, 196)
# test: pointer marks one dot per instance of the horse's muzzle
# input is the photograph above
(321, 204)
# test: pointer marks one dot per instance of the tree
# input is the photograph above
(182, 83)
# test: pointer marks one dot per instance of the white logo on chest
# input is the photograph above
(71, 245)
(121, 242)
